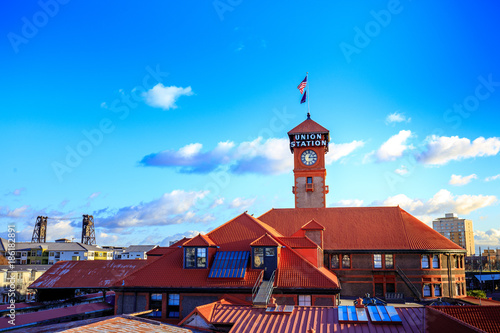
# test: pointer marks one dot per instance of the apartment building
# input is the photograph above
(459, 231)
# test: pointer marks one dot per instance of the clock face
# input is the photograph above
(309, 157)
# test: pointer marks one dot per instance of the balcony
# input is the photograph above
(309, 187)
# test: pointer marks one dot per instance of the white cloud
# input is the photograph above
(271, 156)
(173, 238)
(241, 203)
(459, 180)
(61, 229)
(487, 238)
(394, 147)
(339, 150)
(396, 117)
(94, 195)
(165, 97)
(441, 150)
(175, 207)
(489, 179)
(348, 203)
(403, 170)
(442, 202)
(105, 238)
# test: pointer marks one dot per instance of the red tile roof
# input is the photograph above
(385, 228)
(299, 242)
(33, 318)
(320, 318)
(486, 318)
(200, 240)
(478, 301)
(294, 271)
(312, 225)
(86, 273)
(308, 126)
(265, 240)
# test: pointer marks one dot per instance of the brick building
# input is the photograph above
(459, 231)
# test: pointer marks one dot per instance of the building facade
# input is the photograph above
(21, 277)
(51, 252)
(459, 231)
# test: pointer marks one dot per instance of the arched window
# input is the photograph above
(425, 261)
(334, 263)
(437, 290)
(427, 290)
(435, 261)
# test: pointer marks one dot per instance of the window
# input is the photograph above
(435, 261)
(309, 185)
(425, 261)
(195, 257)
(427, 290)
(346, 261)
(75, 252)
(58, 254)
(377, 261)
(437, 290)
(270, 251)
(309, 180)
(457, 289)
(51, 254)
(155, 305)
(33, 275)
(389, 261)
(33, 253)
(334, 263)
(39, 253)
(173, 306)
(258, 257)
(304, 300)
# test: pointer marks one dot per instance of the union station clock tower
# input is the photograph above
(309, 144)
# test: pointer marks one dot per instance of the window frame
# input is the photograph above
(429, 285)
(158, 304)
(377, 261)
(197, 262)
(338, 261)
(342, 261)
(438, 261)
(304, 300)
(385, 260)
(422, 261)
(173, 305)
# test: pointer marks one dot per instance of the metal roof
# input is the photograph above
(53, 246)
(140, 248)
(86, 273)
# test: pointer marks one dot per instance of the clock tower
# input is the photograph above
(309, 144)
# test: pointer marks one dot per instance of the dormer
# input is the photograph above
(313, 230)
(265, 252)
(197, 251)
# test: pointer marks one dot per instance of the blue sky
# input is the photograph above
(164, 120)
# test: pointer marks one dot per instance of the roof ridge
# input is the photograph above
(404, 226)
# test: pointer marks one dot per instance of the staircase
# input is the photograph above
(409, 283)
(262, 291)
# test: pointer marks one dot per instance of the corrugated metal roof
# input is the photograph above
(200, 240)
(265, 240)
(140, 248)
(486, 318)
(385, 228)
(86, 274)
(53, 246)
(129, 324)
(299, 242)
(32, 318)
(303, 318)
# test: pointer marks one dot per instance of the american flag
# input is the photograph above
(302, 85)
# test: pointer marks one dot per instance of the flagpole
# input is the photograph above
(308, 97)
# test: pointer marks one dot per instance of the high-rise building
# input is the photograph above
(458, 230)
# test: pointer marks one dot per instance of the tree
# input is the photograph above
(476, 293)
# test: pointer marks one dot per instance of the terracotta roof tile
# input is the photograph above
(486, 318)
(87, 273)
(308, 126)
(385, 228)
(265, 240)
(200, 240)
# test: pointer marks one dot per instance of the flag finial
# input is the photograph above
(308, 115)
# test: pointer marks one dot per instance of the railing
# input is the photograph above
(408, 283)
(270, 287)
(309, 187)
(256, 286)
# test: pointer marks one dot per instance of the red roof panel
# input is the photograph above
(303, 318)
(312, 225)
(385, 228)
(86, 273)
(200, 240)
(265, 240)
(299, 242)
(486, 318)
(308, 126)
